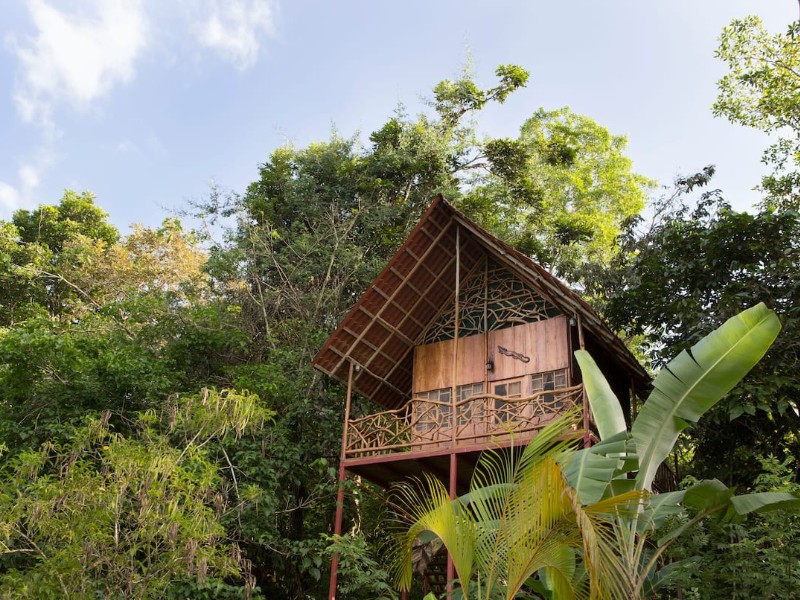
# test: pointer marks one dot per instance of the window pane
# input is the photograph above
(561, 378)
(470, 389)
(550, 380)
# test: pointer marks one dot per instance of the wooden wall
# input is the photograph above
(543, 343)
(433, 363)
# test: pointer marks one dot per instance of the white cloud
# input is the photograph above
(77, 58)
(79, 51)
(234, 28)
(9, 198)
(127, 147)
(29, 175)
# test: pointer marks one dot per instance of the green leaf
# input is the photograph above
(604, 404)
(590, 473)
(661, 506)
(764, 502)
(707, 494)
(696, 380)
(591, 470)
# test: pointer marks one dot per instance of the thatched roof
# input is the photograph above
(380, 332)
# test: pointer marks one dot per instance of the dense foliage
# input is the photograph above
(684, 274)
(107, 328)
(760, 91)
(754, 558)
(164, 434)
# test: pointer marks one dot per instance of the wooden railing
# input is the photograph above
(423, 425)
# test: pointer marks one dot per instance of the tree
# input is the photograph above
(742, 559)
(688, 272)
(34, 248)
(106, 514)
(108, 331)
(54, 226)
(560, 192)
(166, 260)
(761, 91)
(134, 323)
(683, 392)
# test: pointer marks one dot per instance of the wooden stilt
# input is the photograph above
(337, 524)
(451, 571)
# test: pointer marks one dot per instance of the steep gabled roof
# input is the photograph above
(380, 331)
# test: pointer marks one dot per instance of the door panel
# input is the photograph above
(529, 348)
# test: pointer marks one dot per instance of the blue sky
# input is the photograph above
(147, 102)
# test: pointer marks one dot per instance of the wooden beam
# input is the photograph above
(378, 350)
(445, 305)
(457, 308)
(390, 300)
(408, 341)
(376, 376)
(414, 288)
(453, 482)
(416, 266)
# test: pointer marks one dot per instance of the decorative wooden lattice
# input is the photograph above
(426, 424)
(490, 299)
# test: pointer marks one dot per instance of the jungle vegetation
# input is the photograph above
(163, 433)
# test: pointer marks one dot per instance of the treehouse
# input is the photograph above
(461, 343)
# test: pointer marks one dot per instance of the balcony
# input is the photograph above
(425, 425)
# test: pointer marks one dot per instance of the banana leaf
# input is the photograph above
(603, 403)
(697, 379)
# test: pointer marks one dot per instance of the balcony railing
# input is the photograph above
(423, 425)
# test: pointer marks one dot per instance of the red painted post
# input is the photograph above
(337, 523)
(337, 530)
(451, 571)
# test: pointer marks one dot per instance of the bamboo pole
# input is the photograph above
(454, 390)
(337, 525)
(486, 328)
(456, 324)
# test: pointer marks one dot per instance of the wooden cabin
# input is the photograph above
(461, 343)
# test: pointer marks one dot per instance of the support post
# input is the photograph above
(453, 394)
(587, 438)
(451, 571)
(456, 323)
(337, 524)
(485, 330)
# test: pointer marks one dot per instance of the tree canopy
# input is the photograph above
(761, 91)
